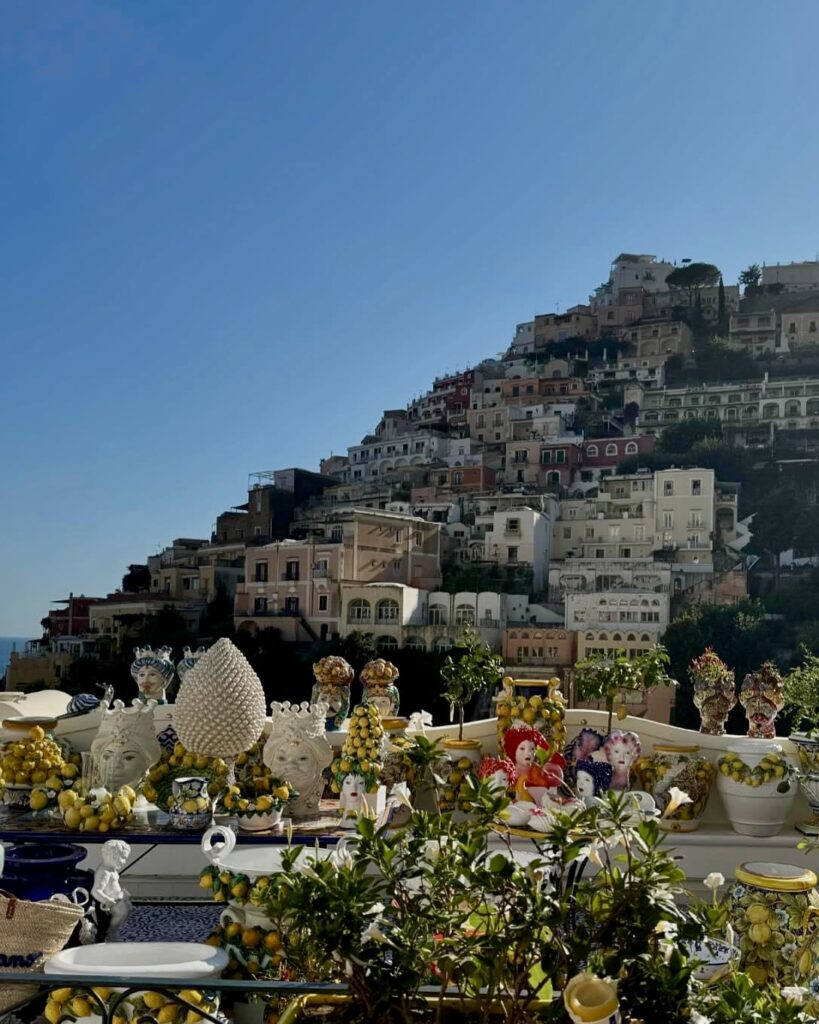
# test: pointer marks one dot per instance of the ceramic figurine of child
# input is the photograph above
(621, 749)
(107, 890)
(592, 779)
(762, 696)
(520, 743)
(152, 671)
(351, 799)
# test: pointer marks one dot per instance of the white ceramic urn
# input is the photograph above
(755, 807)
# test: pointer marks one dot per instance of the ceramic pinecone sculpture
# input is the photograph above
(220, 707)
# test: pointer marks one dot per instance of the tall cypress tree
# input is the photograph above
(722, 319)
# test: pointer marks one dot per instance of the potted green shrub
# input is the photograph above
(801, 692)
(475, 670)
(439, 920)
(605, 677)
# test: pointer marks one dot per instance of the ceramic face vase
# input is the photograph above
(775, 913)
(520, 744)
(378, 681)
(621, 749)
(352, 798)
(125, 746)
(592, 779)
(297, 750)
(152, 671)
(333, 676)
(714, 691)
(762, 696)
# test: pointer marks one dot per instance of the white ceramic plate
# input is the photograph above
(141, 960)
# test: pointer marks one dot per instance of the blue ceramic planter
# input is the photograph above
(36, 871)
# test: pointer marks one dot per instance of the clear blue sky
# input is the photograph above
(232, 233)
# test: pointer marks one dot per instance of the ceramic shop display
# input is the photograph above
(257, 797)
(714, 691)
(113, 900)
(762, 694)
(193, 960)
(191, 806)
(125, 746)
(153, 672)
(297, 750)
(757, 785)
(775, 914)
(33, 759)
(378, 681)
(499, 773)
(714, 957)
(592, 779)
(357, 768)
(333, 676)
(681, 766)
(220, 707)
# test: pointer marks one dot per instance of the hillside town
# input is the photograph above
(572, 495)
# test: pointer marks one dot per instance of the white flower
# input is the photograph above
(730, 935)
(668, 929)
(592, 853)
(306, 870)
(376, 908)
(399, 795)
(795, 994)
(676, 799)
(341, 858)
(419, 720)
(697, 1018)
(713, 881)
(373, 933)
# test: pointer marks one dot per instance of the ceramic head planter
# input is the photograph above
(357, 768)
(520, 744)
(152, 671)
(762, 695)
(188, 661)
(593, 778)
(297, 750)
(498, 772)
(621, 749)
(125, 746)
(333, 676)
(378, 679)
(714, 691)
(585, 743)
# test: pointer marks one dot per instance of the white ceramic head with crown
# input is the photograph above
(125, 746)
(298, 752)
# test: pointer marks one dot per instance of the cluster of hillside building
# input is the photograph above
(495, 499)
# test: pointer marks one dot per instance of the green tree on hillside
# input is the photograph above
(751, 275)
(691, 278)
(681, 437)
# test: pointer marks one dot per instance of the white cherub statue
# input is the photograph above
(107, 891)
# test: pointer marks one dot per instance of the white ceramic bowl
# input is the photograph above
(140, 959)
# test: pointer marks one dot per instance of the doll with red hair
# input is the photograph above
(520, 744)
(498, 772)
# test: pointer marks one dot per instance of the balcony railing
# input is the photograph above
(355, 619)
(320, 573)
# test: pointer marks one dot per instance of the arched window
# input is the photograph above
(793, 408)
(443, 644)
(358, 610)
(416, 643)
(386, 643)
(591, 450)
(437, 615)
(631, 637)
(770, 411)
(631, 448)
(611, 449)
(812, 408)
(464, 615)
(386, 611)
(645, 638)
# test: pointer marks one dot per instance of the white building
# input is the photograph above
(800, 330)
(632, 270)
(796, 277)
(378, 458)
(625, 609)
(520, 536)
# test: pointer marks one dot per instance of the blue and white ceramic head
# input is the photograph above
(188, 660)
(592, 779)
(152, 671)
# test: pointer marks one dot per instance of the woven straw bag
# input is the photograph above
(30, 933)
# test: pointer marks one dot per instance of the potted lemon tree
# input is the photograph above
(475, 670)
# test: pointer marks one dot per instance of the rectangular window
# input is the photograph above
(600, 553)
(260, 575)
(668, 488)
(696, 486)
(639, 532)
(546, 457)
(260, 605)
(292, 571)
(589, 533)
(322, 605)
(513, 526)
(515, 392)
(560, 455)
(512, 554)
(668, 520)
(567, 533)
(291, 605)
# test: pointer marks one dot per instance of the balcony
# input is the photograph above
(358, 620)
(290, 577)
(321, 573)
